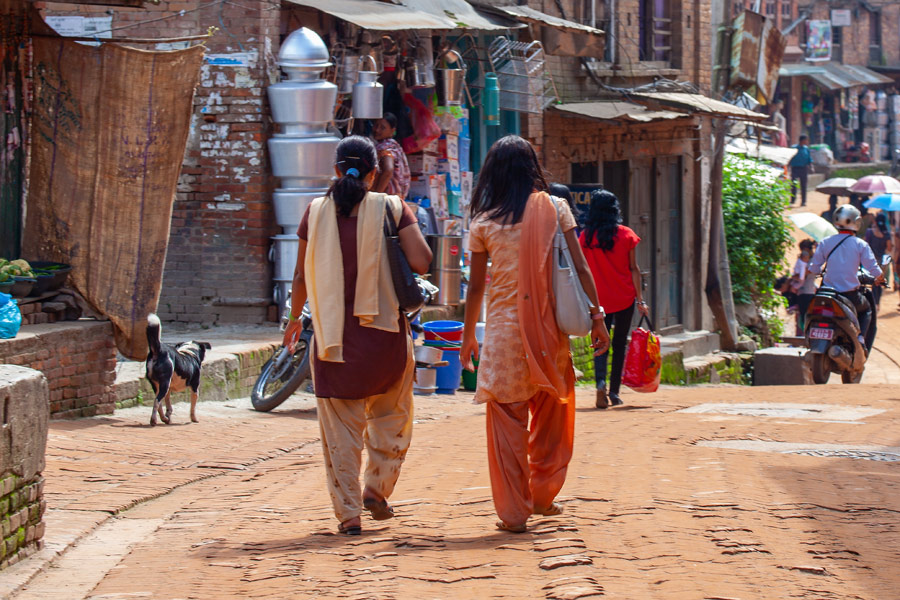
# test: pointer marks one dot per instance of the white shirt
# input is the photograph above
(844, 263)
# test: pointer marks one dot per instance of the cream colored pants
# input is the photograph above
(384, 423)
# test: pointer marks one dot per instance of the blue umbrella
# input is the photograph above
(888, 202)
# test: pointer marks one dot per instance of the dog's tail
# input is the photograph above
(154, 327)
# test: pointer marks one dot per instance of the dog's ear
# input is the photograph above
(206, 345)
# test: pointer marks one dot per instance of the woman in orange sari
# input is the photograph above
(525, 365)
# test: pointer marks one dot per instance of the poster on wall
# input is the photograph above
(818, 40)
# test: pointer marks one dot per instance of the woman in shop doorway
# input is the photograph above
(525, 365)
(363, 364)
(609, 248)
(393, 177)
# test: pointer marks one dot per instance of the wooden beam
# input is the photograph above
(123, 3)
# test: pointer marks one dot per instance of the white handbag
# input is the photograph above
(573, 314)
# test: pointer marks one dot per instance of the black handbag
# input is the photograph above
(409, 295)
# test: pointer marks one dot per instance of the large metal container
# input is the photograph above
(302, 108)
(303, 55)
(303, 162)
(283, 253)
(290, 206)
(368, 94)
(446, 272)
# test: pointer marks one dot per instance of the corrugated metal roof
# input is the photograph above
(698, 102)
(530, 15)
(617, 110)
(838, 76)
(799, 69)
(459, 14)
(378, 16)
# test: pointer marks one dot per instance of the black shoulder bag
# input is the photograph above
(409, 295)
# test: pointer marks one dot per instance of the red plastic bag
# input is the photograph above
(425, 130)
(643, 361)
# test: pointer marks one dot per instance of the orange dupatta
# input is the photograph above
(546, 348)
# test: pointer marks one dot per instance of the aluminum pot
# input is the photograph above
(291, 204)
(368, 94)
(302, 108)
(349, 67)
(428, 354)
(303, 55)
(283, 253)
(426, 380)
(451, 82)
(303, 162)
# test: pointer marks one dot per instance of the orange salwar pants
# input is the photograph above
(528, 467)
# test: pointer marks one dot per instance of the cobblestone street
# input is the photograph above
(659, 504)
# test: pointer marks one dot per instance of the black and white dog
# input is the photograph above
(172, 369)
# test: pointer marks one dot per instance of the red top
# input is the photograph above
(612, 270)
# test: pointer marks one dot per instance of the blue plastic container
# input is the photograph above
(448, 378)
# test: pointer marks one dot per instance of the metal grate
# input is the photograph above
(526, 84)
(857, 454)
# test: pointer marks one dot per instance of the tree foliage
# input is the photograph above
(754, 196)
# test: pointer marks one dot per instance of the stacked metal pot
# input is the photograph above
(302, 153)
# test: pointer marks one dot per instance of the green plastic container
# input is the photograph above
(470, 378)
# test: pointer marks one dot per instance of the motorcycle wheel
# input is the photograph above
(820, 370)
(847, 378)
(274, 387)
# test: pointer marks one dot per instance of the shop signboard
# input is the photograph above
(818, 41)
(840, 17)
(581, 198)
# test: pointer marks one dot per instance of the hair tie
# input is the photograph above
(352, 172)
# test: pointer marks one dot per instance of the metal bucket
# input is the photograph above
(451, 83)
(284, 254)
(290, 206)
(445, 267)
(368, 94)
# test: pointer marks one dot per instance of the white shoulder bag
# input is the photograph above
(573, 314)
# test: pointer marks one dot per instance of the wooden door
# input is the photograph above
(666, 243)
(639, 216)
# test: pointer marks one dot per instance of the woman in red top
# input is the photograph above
(609, 249)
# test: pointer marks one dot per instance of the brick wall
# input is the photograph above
(855, 44)
(23, 437)
(78, 358)
(217, 268)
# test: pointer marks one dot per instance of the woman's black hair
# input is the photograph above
(511, 172)
(562, 191)
(391, 119)
(355, 154)
(602, 222)
(882, 222)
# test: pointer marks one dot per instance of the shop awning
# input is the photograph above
(752, 149)
(835, 76)
(700, 103)
(526, 14)
(617, 110)
(411, 14)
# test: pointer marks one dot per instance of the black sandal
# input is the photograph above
(379, 509)
(351, 530)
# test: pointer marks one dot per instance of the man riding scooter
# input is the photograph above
(838, 259)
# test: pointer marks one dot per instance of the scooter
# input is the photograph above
(288, 368)
(832, 333)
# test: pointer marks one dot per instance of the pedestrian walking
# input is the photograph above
(800, 169)
(393, 177)
(878, 236)
(803, 283)
(780, 123)
(525, 366)
(362, 359)
(609, 248)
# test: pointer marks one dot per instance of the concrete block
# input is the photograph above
(782, 366)
(25, 411)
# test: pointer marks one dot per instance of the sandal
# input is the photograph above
(350, 530)
(554, 509)
(504, 526)
(379, 509)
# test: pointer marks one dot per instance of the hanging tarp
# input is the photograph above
(109, 130)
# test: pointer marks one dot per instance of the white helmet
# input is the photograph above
(846, 217)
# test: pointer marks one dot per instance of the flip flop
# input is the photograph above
(379, 509)
(554, 509)
(351, 530)
(504, 526)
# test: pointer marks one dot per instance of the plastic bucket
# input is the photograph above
(447, 334)
(448, 378)
(470, 378)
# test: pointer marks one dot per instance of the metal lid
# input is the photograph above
(304, 48)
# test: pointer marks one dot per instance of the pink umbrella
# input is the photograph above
(876, 184)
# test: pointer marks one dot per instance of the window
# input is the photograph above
(586, 172)
(770, 8)
(875, 57)
(738, 8)
(656, 30)
(786, 11)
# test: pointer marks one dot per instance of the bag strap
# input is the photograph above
(649, 323)
(390, 226)
(838, 245)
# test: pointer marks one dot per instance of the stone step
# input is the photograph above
(690, 343)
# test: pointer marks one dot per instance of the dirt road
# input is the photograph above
(660, 503)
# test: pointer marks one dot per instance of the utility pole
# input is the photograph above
(714, 292)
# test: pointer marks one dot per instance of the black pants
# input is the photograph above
(801, 173)
(620, 323)
(803, 302)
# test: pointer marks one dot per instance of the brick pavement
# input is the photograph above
(238, 508)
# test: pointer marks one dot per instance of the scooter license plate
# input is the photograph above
(820, 333)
